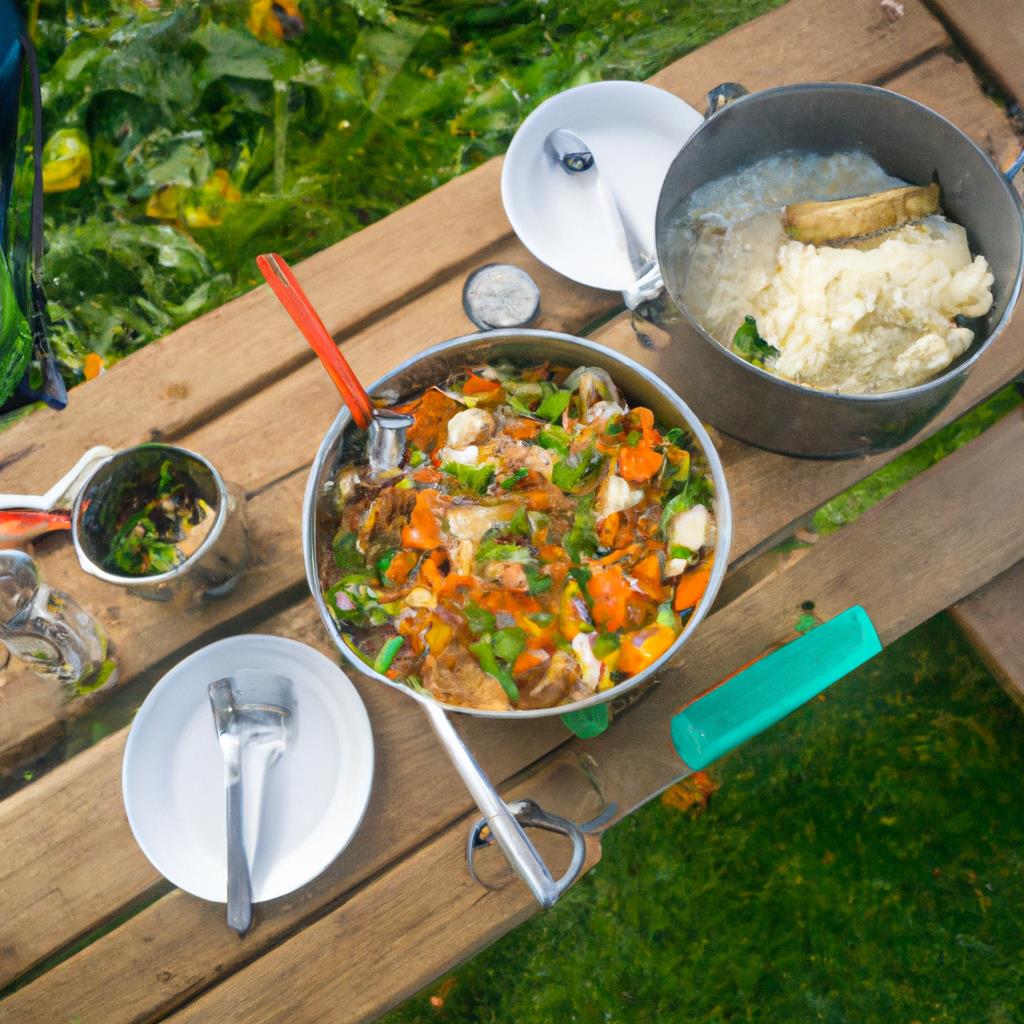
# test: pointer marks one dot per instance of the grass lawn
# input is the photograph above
(862, 861)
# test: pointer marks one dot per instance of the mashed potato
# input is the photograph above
(859, 321)
(872, 316)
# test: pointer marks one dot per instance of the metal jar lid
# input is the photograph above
(500, 295)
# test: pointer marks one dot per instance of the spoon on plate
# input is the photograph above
(386, 427)
(574, 156)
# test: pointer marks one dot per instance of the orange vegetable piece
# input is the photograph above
(511, 601)
(526, 661)
(401, 565)
(641, 649)
(523, 429)
(480, 385)
(422, 531)
(611, 594)
(647, 573)
(93, 366)
(607, 529)
(430, 415)
(426, 475)
(453, 583)
(691, 588)
(639, 462)
(432, 575)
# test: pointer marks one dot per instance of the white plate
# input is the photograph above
(634, 131)
(315, 796)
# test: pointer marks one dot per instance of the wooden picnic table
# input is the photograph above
(100, 937)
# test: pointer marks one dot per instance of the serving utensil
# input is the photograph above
(386, 427)
(574, 156)
(254, 714)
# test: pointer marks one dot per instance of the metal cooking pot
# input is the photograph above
(909, 141)
(344, 442)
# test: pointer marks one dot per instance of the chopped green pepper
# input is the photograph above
(556, 439)
(480, 620)
(510, 481)
(387, 654)
(473, 478)
(484, 654)
(509, 643)
(554, 405)
(572, 470)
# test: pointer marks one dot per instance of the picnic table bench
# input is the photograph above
(89, 932)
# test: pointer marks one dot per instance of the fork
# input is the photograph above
(254, 712)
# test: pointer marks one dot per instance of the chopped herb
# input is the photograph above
(679, 551)
(605, 644)
(667, 617)
(581, 574)
(536, 581)
(556, 439)
(509, 643)
(614, 428)
(510, 481)
(582, 536)
(675, 435)
(572, 470)
(383, 563)
(495, 551)
(633, 438)
(414, 682)
(480, 620)
(520, 524)
(473, 478)
(347, 556)
(489, 663)
(416, 457)
(554, 405)
(749, 345)
(387, 654)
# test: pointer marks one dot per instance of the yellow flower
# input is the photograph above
(275, 20)
(163, 203)
(216, 191)
(67, 161)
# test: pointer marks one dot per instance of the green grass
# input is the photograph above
(862, 861)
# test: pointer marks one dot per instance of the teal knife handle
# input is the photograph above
(771, 688)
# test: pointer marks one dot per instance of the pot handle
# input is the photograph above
(503, 820)
(722, 95)
(759, 696)
(1016, 167)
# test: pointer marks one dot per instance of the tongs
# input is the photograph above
(386, 428)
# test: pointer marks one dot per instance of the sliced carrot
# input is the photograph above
(430, 415)
(641, 649)
(647, 574)
(691, 589)
(422, 531)
(607, 529)
(639, 462)
(426, 475)
(401, 565)
(527, 660)
(523, 429)
(511, 601)
(611, 595)
(431, 575)
(454, 583)
(480, 385)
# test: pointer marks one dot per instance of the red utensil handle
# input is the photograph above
(286, 287)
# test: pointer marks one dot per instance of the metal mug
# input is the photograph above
(911, 142)
(211, 571)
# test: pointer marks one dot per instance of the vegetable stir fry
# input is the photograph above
(541, 541)
(159, 531)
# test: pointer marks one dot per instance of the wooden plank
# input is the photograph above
(993, 32)
(303, 403)
(782, 489)
(993, 619)
(235, 351)
(323, 972)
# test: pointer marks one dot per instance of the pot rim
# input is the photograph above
(960, 368)
(723, 521)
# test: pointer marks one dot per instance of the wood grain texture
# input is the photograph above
(783, 490)
(993, 619)
(324, 974)
(993, 32)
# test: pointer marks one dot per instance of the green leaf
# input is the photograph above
(536, 581)
(581, 538)
(496, 551)
(510, 481)
(480, 620)
(556, 439)
(473, 478)
(570, 472)
(554, 404)
(749, 345)
(509, 643)
(347, 556)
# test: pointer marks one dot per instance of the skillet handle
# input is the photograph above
(521, 854)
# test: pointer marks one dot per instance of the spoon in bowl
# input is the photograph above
(574, 156)
(386, 428)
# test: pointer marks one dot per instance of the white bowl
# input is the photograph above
(315, 795)
(634, 131)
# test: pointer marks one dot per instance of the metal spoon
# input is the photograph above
(573, 155)
(254, 714)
